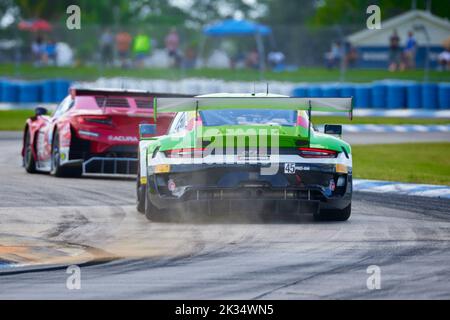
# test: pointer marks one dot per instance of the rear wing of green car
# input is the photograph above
(162, 105)
(167, 105)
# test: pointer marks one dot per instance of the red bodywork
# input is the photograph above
(93, 123)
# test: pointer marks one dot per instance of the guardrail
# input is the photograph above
(383, 94)
(388, 94)
(47, 91)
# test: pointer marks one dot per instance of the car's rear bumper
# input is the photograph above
(233, 187)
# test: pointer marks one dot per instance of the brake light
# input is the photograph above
(317, 153)
(185, 153)
(98, 120)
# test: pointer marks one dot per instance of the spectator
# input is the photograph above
(444, 60)
(276, 59)
(107, 47)
(123, 43)
(252, 60)
(410, 53)
(395, 53)
(190, 58)
(141, 48)
(49, 55)
(334, 57)
(172, 43)
(37, 50)
(351, 55)
(238, 60)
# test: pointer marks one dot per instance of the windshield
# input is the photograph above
(213, 118)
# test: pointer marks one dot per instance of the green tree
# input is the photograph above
(288, 12)
(332, 12)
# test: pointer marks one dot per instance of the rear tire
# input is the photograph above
(334, 215)
(152, 213)
(58, 170)
(28, 159)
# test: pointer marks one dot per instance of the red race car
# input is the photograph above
(91, 131)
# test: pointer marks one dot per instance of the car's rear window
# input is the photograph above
(249, 117)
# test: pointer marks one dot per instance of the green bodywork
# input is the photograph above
(248, 136)
(256, 136)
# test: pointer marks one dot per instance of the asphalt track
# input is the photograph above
(48, 223)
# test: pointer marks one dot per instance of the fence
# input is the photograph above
(301, 45)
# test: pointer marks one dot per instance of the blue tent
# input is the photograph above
(232, 27)
(237, 28)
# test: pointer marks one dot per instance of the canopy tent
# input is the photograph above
(35, 25)
(232, 27)
(238, 28)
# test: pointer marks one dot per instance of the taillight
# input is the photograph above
(317, 153)
(185, 153)
(97, 120)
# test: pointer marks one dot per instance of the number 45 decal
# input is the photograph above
(289, 168)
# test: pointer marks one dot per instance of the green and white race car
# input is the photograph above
(247, 152)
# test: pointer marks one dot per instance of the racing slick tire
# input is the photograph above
(334, 215)
(28, 159)
(152, 213)
(57, 170)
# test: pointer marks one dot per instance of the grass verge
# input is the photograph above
(378, 120)
(14, 120)
(27, 71)
(427, 163)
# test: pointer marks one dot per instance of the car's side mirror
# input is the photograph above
(147, 130)
(333, 129)
(40, 111)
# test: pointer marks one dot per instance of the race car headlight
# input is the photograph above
(317, 153)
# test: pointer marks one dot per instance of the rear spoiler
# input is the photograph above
(274, 103)
(173, 104)
(74, 92)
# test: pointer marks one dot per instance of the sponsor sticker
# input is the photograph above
(123, 138)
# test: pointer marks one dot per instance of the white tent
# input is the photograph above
(437, 28)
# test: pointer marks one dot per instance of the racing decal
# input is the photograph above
(64, 155)
(64, 134)
(122, 138)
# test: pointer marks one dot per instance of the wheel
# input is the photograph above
(28, 159)
(57, 170)
(141, 191)
(334, 215)
(152, 213)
